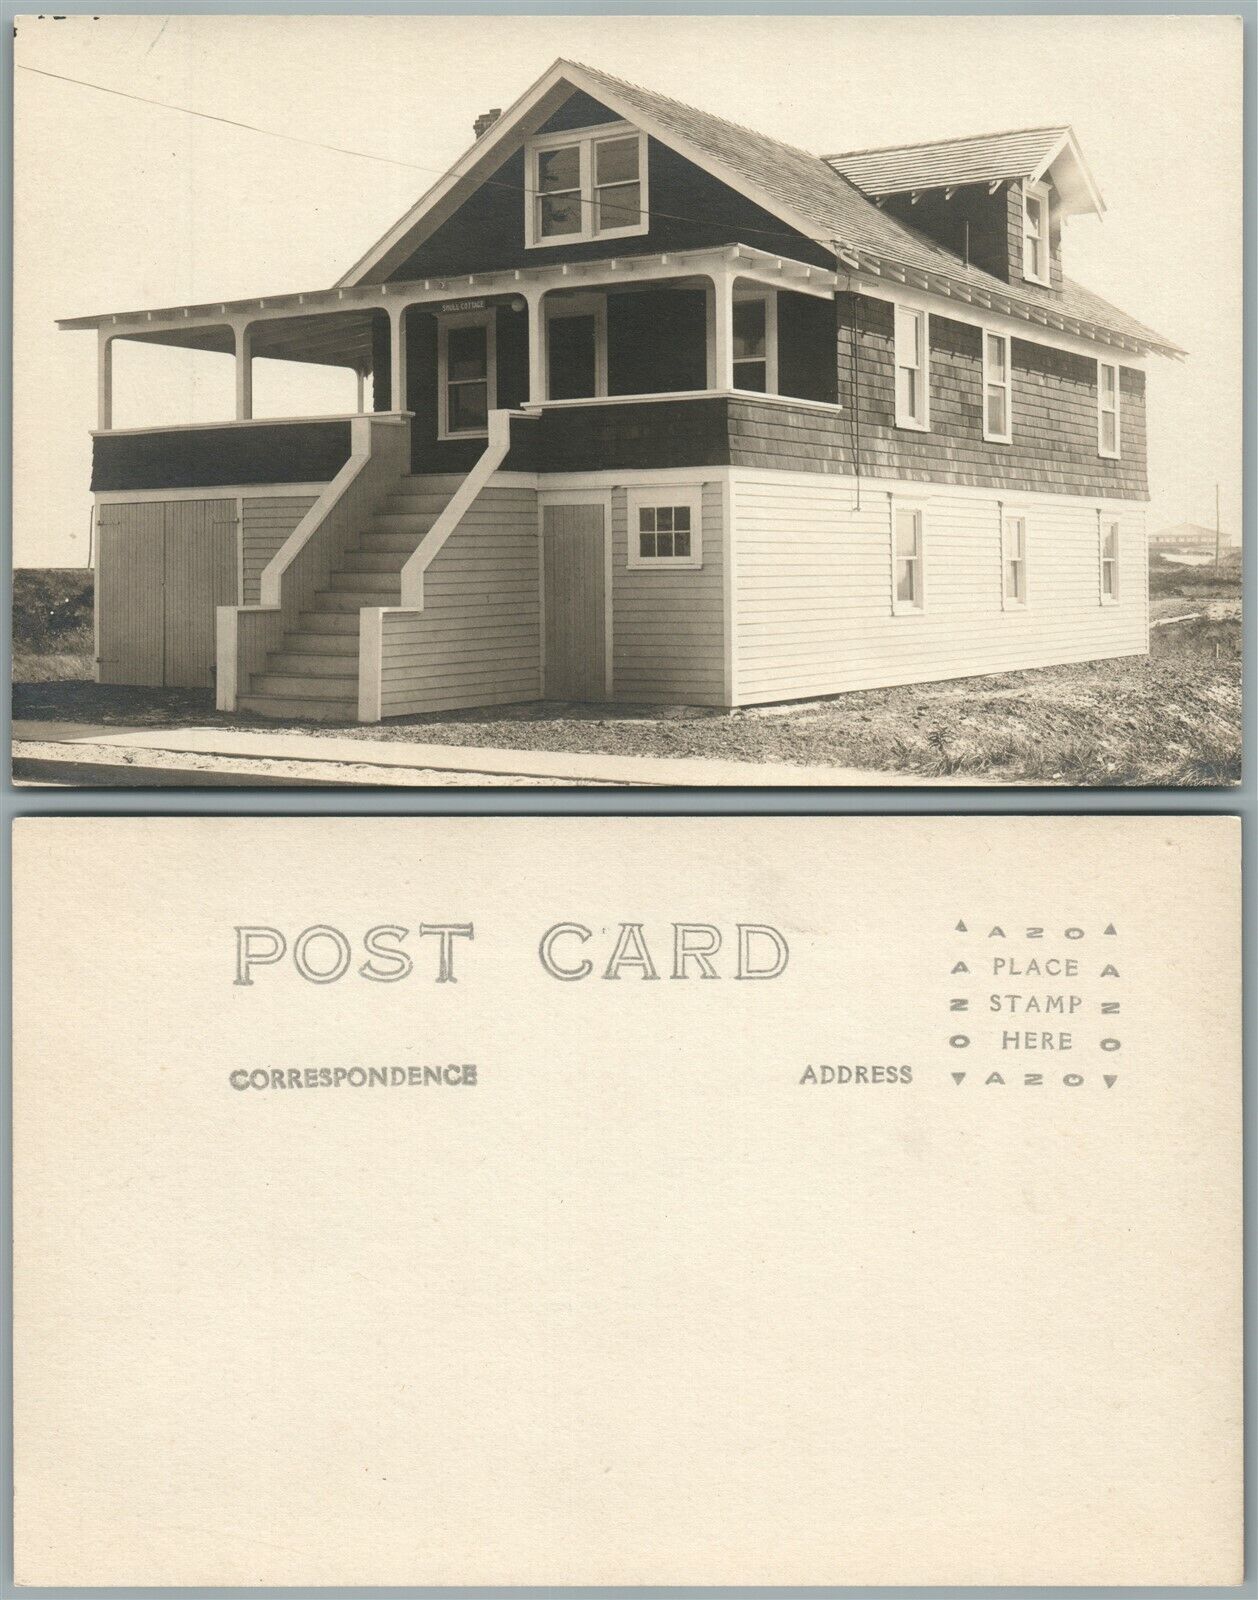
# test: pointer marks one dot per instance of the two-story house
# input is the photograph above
(661, 410)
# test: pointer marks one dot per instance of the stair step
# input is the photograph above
(366, 583)
(309, 640)
(405, 542)
(311, 664)
(360, 561)
(413, 523)
(355, 599)
(430, 483)
(296, 686)
(306, 709)
(338, 623)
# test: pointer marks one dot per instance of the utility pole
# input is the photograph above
(1218, 534)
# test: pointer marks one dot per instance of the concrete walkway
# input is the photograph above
(241, 756)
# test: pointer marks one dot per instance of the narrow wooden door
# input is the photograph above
(130, 581)
(200, 575)
(574, 567)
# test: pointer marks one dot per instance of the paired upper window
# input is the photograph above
(1035, 234)
(590, 184)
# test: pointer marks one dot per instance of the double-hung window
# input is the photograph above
(466, 376)
(755, 342)
(997, 409)
(588, 184)
(1107, 436)
(1035, 237)
(1013, 560)
(912, 368)
(907, 557)
(1109, 561)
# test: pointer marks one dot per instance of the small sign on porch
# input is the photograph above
(450, 306)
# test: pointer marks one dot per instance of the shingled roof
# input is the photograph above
(810, 196)
(979, 158)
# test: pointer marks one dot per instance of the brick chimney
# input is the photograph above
(486, 121)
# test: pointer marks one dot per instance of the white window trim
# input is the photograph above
(465, 319)
(690, 495)
(1116, 453)
(770, 298)
(585, 139)
(555, 308)
(1038, 191)
(988, 385)
(922, 424)
(909, 608)
(1106, 519)
(1007, 603)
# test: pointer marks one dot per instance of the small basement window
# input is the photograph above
(1107, 435)
(1014, 561)
(1035, 242)
(907, 551)
(665, 528)
(1109, 561)
(588, 184)
(997, 408)
(912, 369)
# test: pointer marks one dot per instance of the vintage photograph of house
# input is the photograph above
(648, 433)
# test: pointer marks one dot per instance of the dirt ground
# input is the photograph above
(1170, 718)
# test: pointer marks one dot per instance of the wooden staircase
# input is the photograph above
(314, 673)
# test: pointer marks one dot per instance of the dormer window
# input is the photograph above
(588, 184)
(1035, 224)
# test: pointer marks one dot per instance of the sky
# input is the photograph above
(120, 205)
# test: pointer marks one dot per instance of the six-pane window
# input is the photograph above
(1107, 408)
(907, 592)
(1035, 235)
(1014, 591)
(911, 372)
(996, 408)
(1109, 560)
(664, 533)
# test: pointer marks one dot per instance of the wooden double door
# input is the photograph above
(576, 572)
(162, 569)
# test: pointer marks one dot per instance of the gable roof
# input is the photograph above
(810, 196)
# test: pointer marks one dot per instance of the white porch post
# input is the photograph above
(104, 381)
(244, 372)
(397, 358)
(359, 376)
(721, 346)
(537, 346)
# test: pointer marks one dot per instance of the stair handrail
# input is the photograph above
(495, 453)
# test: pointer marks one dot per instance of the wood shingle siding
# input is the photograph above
(477, 641)
(813, 589)
(266, 521)
(1054, 446)
(205, 458)
(668, 628)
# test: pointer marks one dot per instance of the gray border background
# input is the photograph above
(1241, 801)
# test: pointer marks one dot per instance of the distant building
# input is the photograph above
(1188, 536)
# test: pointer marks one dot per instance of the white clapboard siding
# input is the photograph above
(477, 641)
(812, 602)
(266, 521)
(668, 628)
